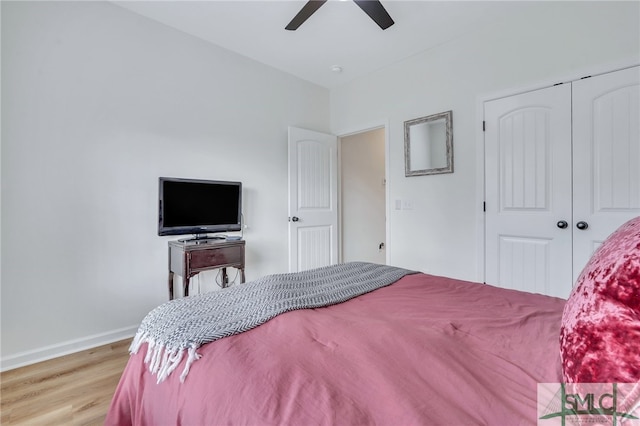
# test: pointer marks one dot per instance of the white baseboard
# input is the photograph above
(22, 359)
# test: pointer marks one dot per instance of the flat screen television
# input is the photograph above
(198, 207)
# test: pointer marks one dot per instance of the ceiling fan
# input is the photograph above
(373, 8)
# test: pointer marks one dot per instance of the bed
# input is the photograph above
(421, 350)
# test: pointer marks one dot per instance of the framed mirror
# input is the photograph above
(428, 145)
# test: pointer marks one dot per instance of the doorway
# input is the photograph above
(363, 196)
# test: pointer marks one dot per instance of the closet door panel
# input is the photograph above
(606, 157)
(528, 191)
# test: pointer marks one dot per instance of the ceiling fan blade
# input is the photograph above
(376, 11)
(304, 14)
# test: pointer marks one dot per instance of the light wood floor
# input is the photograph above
(72, 390)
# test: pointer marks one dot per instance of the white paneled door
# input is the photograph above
(606, 158)
(562, 171)
(313, 199)
(528, 191)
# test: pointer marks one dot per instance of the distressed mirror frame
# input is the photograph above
(448, 140)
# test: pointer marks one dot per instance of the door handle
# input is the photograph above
(562, 224)
(295, 219)
(582, 225)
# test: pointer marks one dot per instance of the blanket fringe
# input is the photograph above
(137, 341)
(192, 356)
(162, 361)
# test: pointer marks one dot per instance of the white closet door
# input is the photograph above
(606, 158)
(313, 199)
(528, 191)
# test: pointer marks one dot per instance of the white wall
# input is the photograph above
(97, 103)
(440, 234)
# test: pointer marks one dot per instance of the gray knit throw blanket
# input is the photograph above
(183, 325)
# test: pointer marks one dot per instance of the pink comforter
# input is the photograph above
(424, 351)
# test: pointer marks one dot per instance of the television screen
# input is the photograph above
(192, 206)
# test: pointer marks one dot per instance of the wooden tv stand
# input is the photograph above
(188, 258)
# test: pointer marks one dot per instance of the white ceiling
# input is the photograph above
(339, 33)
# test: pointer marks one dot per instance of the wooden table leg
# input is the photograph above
(170, 285)
(186, 286)
(225, 279)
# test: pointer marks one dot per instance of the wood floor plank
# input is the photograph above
(73, 390)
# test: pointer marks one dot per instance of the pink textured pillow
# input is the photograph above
(600, 332)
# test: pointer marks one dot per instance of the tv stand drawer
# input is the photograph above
(190, 257)
(205, 259)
